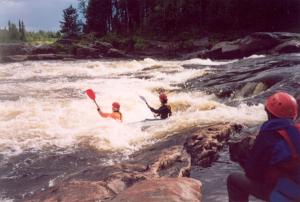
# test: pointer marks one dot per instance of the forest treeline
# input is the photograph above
(172, 17)
(18, 33)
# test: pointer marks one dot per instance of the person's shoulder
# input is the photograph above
(268, 137)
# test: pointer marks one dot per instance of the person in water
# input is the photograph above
(164, 111)
(116, 114)
(272, 172)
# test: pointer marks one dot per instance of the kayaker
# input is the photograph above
(116, 114)
(272, 172)
(164, 111)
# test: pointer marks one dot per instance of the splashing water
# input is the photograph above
(43, 105)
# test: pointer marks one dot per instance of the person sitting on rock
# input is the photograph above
(165, 110)
(116, 114)
(272, 172)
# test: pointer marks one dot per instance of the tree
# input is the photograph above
(70, 26)
(22, 31)
(99, 16)
(13, 32)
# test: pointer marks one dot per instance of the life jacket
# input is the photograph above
(113, 115)
(279, 182)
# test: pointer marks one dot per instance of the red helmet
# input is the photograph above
(116, 105)
(163, 97)
(282, 105)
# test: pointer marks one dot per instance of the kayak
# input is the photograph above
(145, 124)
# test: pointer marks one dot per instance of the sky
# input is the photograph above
(36, 14)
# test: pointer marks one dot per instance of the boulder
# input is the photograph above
(292, 46)
(7, 49)
(75, 191)
(102, 46)
(201, 43)
(81, 51)
(14, 58)
(256, 43)
(114, 53)
(43, 49)
(204, 144)
(22, 58)
(49, 57)
(163, 189)
(89, 180)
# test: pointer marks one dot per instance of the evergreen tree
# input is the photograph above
(98, 16)
(70, 26)
(23, 32)
(13, 32)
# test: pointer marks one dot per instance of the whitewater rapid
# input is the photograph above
(44, 107)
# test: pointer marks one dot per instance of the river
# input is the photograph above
(44, 110)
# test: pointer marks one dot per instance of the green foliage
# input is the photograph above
(166, 19)
(140, 43)
(42, 37)
(98, 16)
(70, 26)
(13, 33)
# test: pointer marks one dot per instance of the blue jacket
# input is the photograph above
(270, 149)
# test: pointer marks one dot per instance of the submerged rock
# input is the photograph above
(163, 189)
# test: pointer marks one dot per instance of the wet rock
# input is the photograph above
(49, 57)
(43, 49)
(164, 189)
(115, 53)
(292, 46)
(22, 58)
(250, 80)
(81, 51)
(204, 145)
(102, 46)
(14, 58)
(75, 191)
(195, 54)
(7, 49)
(256, 43)
(83, 172)
(201, 43)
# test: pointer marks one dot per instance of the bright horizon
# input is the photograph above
(36, 14)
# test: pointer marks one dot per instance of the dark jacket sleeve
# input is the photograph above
(156, 111)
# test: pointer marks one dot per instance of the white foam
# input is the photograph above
(48, 108)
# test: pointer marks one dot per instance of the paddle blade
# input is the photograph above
(91, 94)
(143, 98)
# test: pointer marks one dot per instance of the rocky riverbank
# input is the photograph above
(69, 49)
(164, 164)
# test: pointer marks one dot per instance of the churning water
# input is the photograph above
(44, 109)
